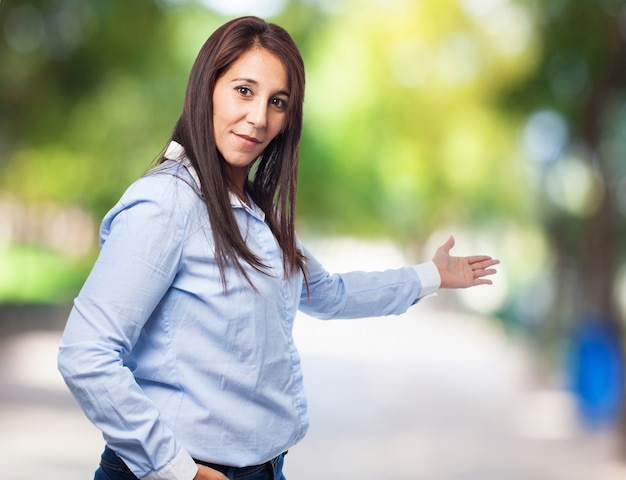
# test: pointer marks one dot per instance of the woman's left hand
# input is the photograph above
(207, 473)
(462, 272)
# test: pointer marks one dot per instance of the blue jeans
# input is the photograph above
(272, 470)
(113, 467)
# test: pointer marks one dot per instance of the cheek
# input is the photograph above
(222, 109)
(221, 125)
(279, 125)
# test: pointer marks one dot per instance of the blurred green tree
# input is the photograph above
(404, 131)
(83, 85)
(86, 94)
(575, 140)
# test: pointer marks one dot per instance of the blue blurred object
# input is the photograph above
(596, 371)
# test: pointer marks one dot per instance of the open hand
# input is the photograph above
(462, 272)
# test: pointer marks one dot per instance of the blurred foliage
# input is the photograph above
(469, 116)
(81, 114)
(404, 129)
(575, 157)
(32, 275)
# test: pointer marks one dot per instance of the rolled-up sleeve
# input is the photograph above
(141, 242)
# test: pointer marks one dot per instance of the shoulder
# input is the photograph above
(165, 195)
(169, 184)
(169, 175)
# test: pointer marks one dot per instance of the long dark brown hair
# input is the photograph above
(273, 187)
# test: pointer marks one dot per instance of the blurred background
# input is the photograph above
(502, 122)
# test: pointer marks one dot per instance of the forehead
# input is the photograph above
(260, 65)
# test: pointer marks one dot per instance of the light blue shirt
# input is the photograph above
(168, 366)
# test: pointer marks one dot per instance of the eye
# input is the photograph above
(279, 103)
(244, 91)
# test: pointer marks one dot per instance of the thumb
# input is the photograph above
(446, 247)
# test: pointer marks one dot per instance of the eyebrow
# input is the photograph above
(254, 82)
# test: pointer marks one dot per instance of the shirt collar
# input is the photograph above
(175, 151)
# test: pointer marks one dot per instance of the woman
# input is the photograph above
(179, 347)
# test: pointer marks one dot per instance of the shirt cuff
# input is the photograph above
(429, 277)
(182, 467)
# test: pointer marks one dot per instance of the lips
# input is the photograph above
(247, 141)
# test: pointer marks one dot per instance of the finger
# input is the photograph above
(480, 258)
(482, 261)
(209, 473)
(484, 271)
(446, 247)
(481, 272)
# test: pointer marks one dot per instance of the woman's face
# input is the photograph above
(249, 109)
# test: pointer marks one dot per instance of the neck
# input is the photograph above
(237, 179)
(240, 191)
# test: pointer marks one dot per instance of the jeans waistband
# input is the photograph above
(241, 472)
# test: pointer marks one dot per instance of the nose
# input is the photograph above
(257, 114)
